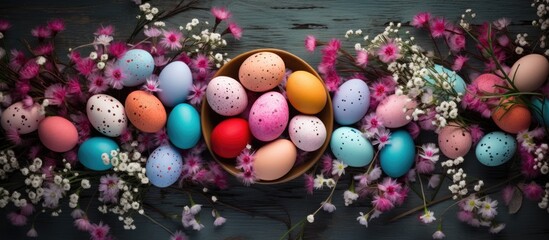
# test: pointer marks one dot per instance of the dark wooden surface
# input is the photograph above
(265, 210)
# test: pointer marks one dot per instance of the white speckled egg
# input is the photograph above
(351, 101)
(268, 116)
(308, 133)
(226, 96)
(106, 115)
(24, 120)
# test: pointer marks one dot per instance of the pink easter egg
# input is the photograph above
(487, 82)
(454, 141)
(396, 110)
(23, 120)
(57, 134)
(268, 116)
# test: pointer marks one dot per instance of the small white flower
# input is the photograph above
(328, 207)
(93, 55)
(40, 60)
(428, 217)
(310, 218)
(519, 50)
(338, 168)
(438, 235)
(349, 197)
(85, 183)
(100, 65)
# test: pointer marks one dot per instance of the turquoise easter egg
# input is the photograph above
(541, 110)
(455, 80)
(495, 148)
(176, 81)
(397, 157)
(351, 102)
(349, 146)
(91, 150)
(164, 166)
(138, 65)
(184, 126)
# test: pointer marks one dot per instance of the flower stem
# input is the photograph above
(157, 223)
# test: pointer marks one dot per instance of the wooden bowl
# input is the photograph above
(209, 118)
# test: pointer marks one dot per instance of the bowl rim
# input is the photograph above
(306, 165)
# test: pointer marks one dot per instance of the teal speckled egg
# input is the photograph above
(495, 148)
(90, 151)
(137, 65)
(397, 157)
(457, 82)
(349, 146)
(184, 126)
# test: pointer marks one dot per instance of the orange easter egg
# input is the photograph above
(145, 111)
(512, 118)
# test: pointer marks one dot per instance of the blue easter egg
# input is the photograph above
(541, 110)
(349, 146)
(184, 126)
(138, 65)
(351, 101)
(397, 157)
(456, 81)
(90, 151)
(164, 166)
(495, 148)
(176, 81)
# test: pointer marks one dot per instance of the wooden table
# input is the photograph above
(267, 210)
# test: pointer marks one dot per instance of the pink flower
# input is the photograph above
(74, 87)
(476, 133)
(85, 66)
(247, 177)
(52, 194)
(459, 61)
(17, 219)
(310, 43)
(382, 204)
(152, 84)
(82, 224)
(178, 235)
(501, 23)
(220, 13)
(161, 137)
(30, 70)
(99, 231)
(13, 136)
(56, 25)
(56, 93)
(4, 25)
(27, 210)
(503, 40)
(388, 52)
(193, 164)
(235, 30)
(197, 93)
(115, 75)
(41, 32)
(108, 188)
(424, 166)
(107, 30)
(456, 42)
(382, 137)
(438, 27)
(309, 183)
(390, 188)
(429, 151)
(413, 129)
(371, 123)
(44, 49)
(361, 58)
(17, 59)
(327, 163)
(97, 84)
(201, 63)
(117, 49)
(421, 19)
(152, 32)
(245, 160)
(533, 191)
(171, 39)
(465, 216)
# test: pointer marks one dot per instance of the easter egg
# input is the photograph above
(349, 146)
(183, 126)
(176, 81)
(226, 96)
(262, 71)
(145, 111)
(488, 82)
(351, 101)
(457, 82)
(397, 157)
(90, 152)
(57, 134)
(138, 65)
(274, 160)
(454, 141)
(23, 120)
(230, 137)
(495, 148)
(541, 110)
(529, 72)
(164, 166)
(308, 133)
(106, 115)
(306, 92)
(268, 116)
(512, 117)
(392, 112)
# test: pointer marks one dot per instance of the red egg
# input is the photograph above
(57, 134)
(230, 137)
(487, 83)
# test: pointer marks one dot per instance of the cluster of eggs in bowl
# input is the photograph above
(248, 104)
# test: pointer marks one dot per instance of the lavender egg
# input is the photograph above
(268, 116)
(308, 133)
(138, 65)
(226, 96)
(351, 101)
(164, 166)
(176, 81)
